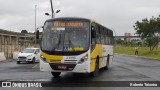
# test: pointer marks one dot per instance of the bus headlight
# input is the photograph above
(83, 59)
(43, 58)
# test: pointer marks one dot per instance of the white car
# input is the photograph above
(29, 55)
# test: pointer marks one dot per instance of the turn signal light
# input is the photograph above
(43, 58)
(83, 59)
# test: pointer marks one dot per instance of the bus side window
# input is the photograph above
(107, 40)
(93, 32)
(98, 39)
(93, 41)
(93, 35)
(102, 39)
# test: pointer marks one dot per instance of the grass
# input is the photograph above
(142, 51)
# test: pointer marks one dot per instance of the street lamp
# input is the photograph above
(57, 11)
(35, 24)
(47, 14)
(52, 10)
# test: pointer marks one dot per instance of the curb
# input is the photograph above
(139, 56)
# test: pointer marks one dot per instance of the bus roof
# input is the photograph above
(94, 21)
(69, 19)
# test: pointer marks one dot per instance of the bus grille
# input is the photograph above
(65, 61)
(70, 61)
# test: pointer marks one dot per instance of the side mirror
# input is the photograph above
(36, 53)
(93, 32)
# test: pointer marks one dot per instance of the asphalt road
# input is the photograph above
(123, 68)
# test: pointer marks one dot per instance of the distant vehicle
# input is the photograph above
(29, 55)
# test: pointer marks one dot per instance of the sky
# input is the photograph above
(119, 15)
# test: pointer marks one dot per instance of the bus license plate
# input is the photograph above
(62, 67)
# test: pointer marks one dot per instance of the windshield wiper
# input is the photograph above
(71, 44)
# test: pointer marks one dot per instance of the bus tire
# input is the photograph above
(107, 63)
(95, 72)
(56, 74)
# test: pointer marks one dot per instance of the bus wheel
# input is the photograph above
(107, 63)
(94, 74)
(56, 74)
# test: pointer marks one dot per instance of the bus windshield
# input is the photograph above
(65, 36)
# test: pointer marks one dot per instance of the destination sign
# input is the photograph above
(68, 24)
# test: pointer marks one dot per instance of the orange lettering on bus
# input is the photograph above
(59, 24)
(74, 24)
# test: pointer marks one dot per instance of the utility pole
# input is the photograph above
(35, 24)
(52, 9)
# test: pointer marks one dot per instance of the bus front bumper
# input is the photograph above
(75, 68)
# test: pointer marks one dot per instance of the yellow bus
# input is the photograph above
(76, 45)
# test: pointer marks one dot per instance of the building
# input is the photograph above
(129, 38)
(13, 41)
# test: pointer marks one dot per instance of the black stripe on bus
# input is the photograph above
(100, 57)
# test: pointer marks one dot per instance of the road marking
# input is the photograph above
(35, 66)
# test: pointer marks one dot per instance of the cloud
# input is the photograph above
(117, 14)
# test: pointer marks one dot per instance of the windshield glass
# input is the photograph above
(28, 51)
(66, 36)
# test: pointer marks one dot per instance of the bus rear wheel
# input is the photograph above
(56, 74)
(107, 63)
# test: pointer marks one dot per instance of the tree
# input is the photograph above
(149, 30)
(119, 41)
(24, 31)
